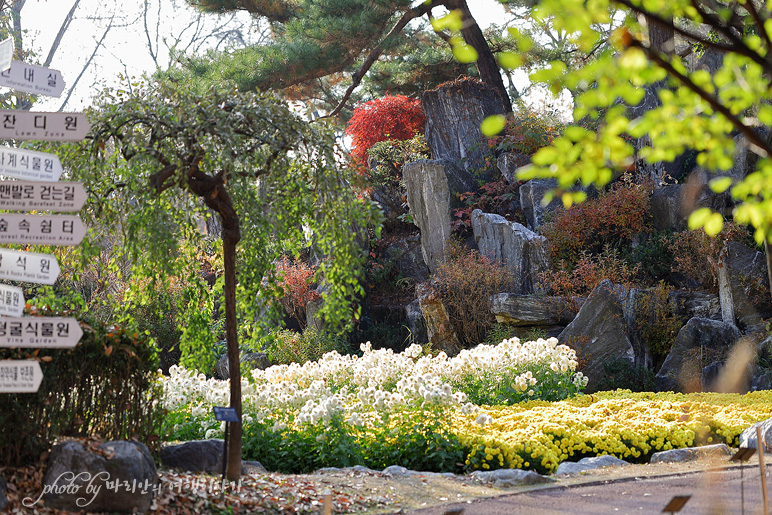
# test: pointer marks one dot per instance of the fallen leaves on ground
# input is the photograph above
(186, 493)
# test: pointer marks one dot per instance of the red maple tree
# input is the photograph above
(394, 117)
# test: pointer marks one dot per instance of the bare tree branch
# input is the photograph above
(60, 34)
(714, 102)
(85, 66)
(376, 52)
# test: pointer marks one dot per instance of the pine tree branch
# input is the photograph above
(376, 52)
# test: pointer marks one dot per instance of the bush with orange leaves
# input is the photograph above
(613, 218)
(389, 118)
(295, 279)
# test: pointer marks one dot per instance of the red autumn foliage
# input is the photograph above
(391, 117)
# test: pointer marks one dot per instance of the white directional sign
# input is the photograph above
(11, 300)
(29, 164)
(20, 376)
(6, 53)
(40, 332)
(42, 196)
(25, 125)
(41, 229)
(28, 266)
(31, 78)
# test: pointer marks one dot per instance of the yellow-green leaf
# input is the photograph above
(464, 53)
(720, 184)
(699, 217)
(714, 224)
(509, 60)
(492, 125)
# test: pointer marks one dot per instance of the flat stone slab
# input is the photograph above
(691, 454)
(511, 477)
(596, 462)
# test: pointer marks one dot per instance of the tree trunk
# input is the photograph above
(231, 238)
(487, 66)
(212, 191)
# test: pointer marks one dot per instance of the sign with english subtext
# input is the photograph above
(28, 266)
(11, 300)
(42, 196)
(32, 78)
(20, 376)
(39, 332)
(29, 164)
(62, 230)
(33, 125)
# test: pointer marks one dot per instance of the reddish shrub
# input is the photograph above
(391, 117)
(295, 280)
(613, 218)
(588, 272)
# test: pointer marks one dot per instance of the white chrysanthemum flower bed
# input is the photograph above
(381, 381)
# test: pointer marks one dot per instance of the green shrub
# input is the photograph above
(391, 155)
(654, 257)
(527, 131)
(285, 346)
(658, 324)
(107, 385)
(619, 374)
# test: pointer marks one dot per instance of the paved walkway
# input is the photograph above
(716, 491)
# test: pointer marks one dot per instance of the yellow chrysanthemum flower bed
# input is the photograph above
(630, 426)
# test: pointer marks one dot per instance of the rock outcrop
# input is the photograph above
(116, 477)
(599, 332)
(454, 112)
(700, 342)
(431, 193)
(439, 329)
(522, 251)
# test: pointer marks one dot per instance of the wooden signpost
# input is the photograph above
(32, 78)
(25, 164)
(41, 229)
(20, 376)
(42, 196)
(25, 376)
(39, 332)
(28, 266)
(11, 300)
(26, 125)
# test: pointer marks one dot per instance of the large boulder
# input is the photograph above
(440, 331)
(720, 451)
(745, 276)
(454, 112)
(690, 304)
(531, 196)
(522, 251)
(509, 163)
(534, 310)
(590, 463)
(202, 456)
(599, 332)
(431, 194)
(253, 359)
(700, 342)
(415, 322)
(116, 477)
(749, 438)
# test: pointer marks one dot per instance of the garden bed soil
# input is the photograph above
(351, 491)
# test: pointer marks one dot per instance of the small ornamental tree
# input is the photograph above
(160, 160)
(388, 118)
